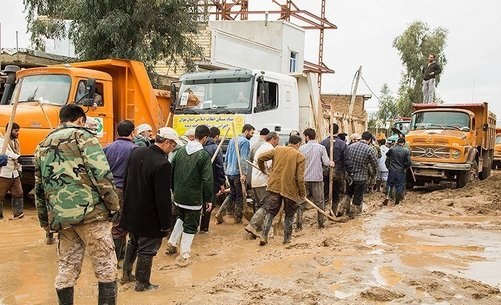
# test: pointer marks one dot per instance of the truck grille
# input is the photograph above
(430, 152)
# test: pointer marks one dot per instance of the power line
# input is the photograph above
(375, 95)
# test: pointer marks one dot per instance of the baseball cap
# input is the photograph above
(169, 133)
(143, 127)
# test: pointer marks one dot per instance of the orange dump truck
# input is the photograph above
(123, 86)
(497, 150)
(451, 142)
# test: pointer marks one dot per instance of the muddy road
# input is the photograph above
(440, 246)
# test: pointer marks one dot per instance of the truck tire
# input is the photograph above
(486, 165)
(463, 177)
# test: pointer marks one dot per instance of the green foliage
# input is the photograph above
(414, 45)
(143, 30)
(387, 108)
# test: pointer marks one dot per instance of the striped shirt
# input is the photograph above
(316, 156)
(362, 154)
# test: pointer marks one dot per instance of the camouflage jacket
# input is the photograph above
(73, 181)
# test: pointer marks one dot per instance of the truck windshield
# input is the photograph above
(440, 120)
(402, 126)
(215, 97)
(49, 89)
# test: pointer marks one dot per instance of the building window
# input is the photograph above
(293, 62)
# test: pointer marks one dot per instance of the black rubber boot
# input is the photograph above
(107, 293)
(17, 207)
(143, 273)
(119, 244)
(65, 295)
(299, 217)
(398, 198)
(288, 229)
(1, 209)
(130, 258)
(268, 221)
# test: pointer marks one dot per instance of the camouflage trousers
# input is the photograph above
(96, 238)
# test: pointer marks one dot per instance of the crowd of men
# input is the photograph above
(154, 187)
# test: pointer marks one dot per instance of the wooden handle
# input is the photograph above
(219, 146)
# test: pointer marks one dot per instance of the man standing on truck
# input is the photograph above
(342, 166)
(235, 177)
(10, 179)
(285, 184)
(75, 196)
(316, 156)
(430, 72)
(117, 154)
(398, 160)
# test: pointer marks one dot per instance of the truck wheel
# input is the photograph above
(463, 177)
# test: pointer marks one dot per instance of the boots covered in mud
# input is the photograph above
(183, 259)
(130, 258)
(268, 222)
(256, 222)
(344, 206)
(174, 238)
(65, 295)
(107, 293)
(143, 273)
(288, 229)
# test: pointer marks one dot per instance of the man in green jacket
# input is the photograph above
(192, 187)
(75, 196)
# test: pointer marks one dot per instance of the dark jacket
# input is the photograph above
(147, 195)
(217, 166)
(433, 67)
(398, 158)
(194, 180)
(342, 158)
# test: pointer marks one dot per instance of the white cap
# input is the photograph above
(355, 136)
(143, 127)
(190, 132)
(169, 133)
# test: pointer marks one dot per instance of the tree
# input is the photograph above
(144, 30)
(387, 107)
(414, 45)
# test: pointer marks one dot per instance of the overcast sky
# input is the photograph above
(366, 29)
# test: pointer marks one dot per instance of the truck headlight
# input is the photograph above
(456, 154)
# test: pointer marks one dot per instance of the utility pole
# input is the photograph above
(352, 101)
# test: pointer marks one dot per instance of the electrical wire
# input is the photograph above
(375, 95)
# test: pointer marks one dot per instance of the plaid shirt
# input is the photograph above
(361, 155)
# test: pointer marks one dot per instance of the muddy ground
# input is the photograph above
(440, 246)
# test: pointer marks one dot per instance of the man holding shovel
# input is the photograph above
(285, 184)
(236, 173)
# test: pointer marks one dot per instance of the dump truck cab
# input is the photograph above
(108, 90)
(453, 142)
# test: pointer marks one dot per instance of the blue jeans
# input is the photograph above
(396, 178)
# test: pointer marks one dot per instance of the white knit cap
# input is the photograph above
(143, 127)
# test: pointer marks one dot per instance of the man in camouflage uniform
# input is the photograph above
(75, 196)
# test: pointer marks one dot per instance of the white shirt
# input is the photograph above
(11, 170)
(258, 178)
(382, 160)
